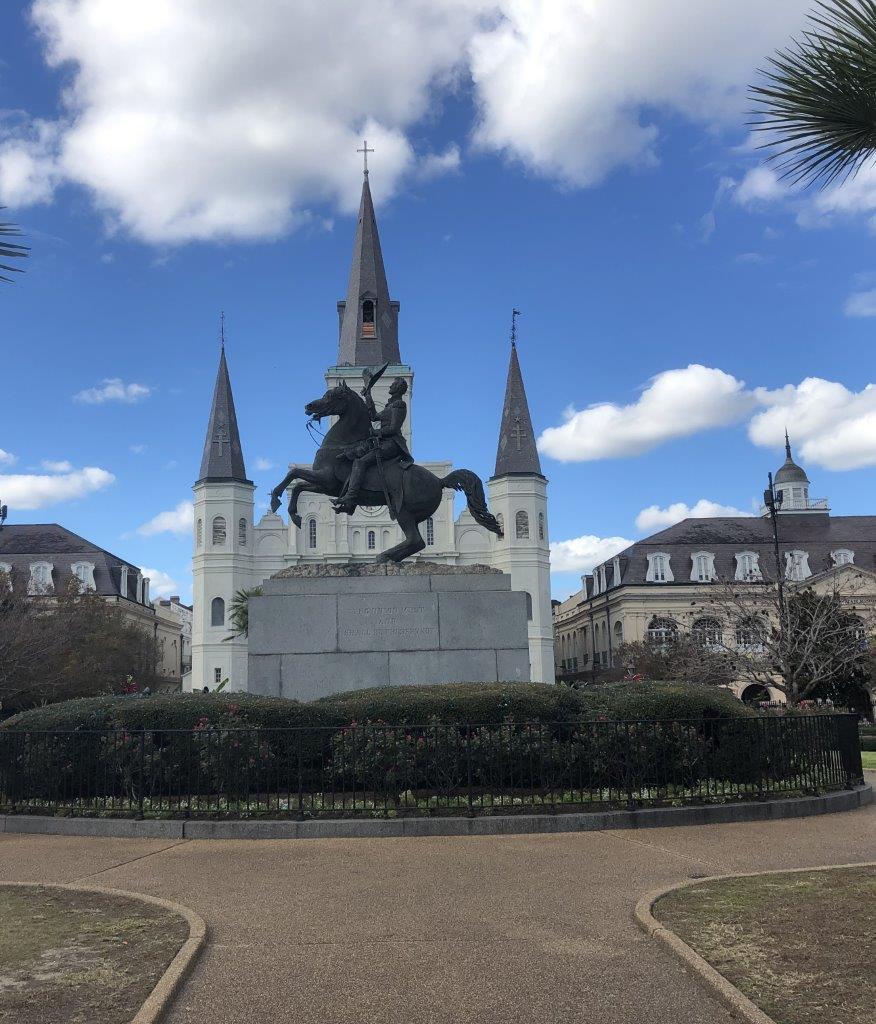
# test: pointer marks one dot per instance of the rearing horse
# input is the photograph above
(420, 490)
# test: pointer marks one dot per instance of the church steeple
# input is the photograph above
(223, 454)
(517, 453)
(369, 318)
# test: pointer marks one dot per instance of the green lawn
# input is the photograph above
(869, 759)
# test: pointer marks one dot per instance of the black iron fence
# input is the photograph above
(383, 770)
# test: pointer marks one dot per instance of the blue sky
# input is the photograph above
(586, 170)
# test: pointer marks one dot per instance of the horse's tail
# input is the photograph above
(470, 484)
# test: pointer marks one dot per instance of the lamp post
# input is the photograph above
(773, 502)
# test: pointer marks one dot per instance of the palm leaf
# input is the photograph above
(10, 250)
(817, 101)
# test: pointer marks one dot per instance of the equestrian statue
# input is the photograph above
(358, 464)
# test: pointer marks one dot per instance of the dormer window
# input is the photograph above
(797, 565)
(84, 572)
(659, 570)
(368, 328)
(843, 557)
(747, 567)
(40, 578)
(702, 566)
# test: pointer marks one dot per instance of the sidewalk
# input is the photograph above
(477, 929)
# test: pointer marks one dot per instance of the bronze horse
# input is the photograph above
(416, 490)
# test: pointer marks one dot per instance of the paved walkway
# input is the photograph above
(483, 930)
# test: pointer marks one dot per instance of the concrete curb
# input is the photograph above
(389, 828)
(738, 1003)
(159, 999)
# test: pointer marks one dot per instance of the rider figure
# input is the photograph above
(386, 442)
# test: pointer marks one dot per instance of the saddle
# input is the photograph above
(394, 474)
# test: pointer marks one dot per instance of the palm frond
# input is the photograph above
(10, 250)
(817, 101)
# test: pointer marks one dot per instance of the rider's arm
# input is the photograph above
(372, 410)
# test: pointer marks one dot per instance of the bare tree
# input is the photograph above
(817, 646)
(680, 657)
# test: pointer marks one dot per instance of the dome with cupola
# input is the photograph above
(790, 472)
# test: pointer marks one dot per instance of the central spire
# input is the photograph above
(369, 318)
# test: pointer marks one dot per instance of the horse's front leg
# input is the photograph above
(307, 480)
(277, 492)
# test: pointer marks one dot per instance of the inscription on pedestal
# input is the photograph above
(377, 622)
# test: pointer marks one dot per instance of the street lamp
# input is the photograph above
(773, 502)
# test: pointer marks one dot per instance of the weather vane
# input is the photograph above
(514, 314)
(365, 151)
(222, 328)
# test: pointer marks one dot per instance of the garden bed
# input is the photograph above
(795, 944)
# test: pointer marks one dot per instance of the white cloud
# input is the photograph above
(178, 520)
(851, 198)
(568, 87)
(656, 518)
(829, 424)
(581, 554)
(676, 403)
(434, 165)
(112, 389)
(33, 490)
(137, 449)
(262, 464)
(160, 583)
(7, 458)
(752, 258)
(56, 466)
(760, 185)
(232, 138)
(861, 304)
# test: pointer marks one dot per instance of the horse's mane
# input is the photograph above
(352, 425)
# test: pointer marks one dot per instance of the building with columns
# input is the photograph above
(665, 583)
(233, 552)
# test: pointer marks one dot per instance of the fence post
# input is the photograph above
(468, 769)
(142, 773)
(300, 776)
(850, 750)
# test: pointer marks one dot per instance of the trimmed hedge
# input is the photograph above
(480, 703)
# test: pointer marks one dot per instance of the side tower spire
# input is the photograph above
(223, 454)
(518, 497)
(368, 317)
(517, 451)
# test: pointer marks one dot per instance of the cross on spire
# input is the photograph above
(365, 151)
(514, 314)
(222, 329)
(517, 433)
(221, 435)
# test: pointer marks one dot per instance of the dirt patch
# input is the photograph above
(78, 957)
(795, 944)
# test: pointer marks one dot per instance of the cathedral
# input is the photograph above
(233, 552)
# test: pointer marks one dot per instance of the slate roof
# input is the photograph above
(517, 452)
(24, 543)
(818, 535)
(368, 280)
(223, 454)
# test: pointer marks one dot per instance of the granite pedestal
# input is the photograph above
(321, 629)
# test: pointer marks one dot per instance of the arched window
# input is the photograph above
(219, 531)
(662, 631)
(702, 566)
(241, 533)
(368, 329)
(528, 605)
(707, 632)
(500, 519)
(199, 533)
(430, 530)
(521, 522)
(541, 526)
(372, 540)
(217, 612)
(311, 533)
(618, 632)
